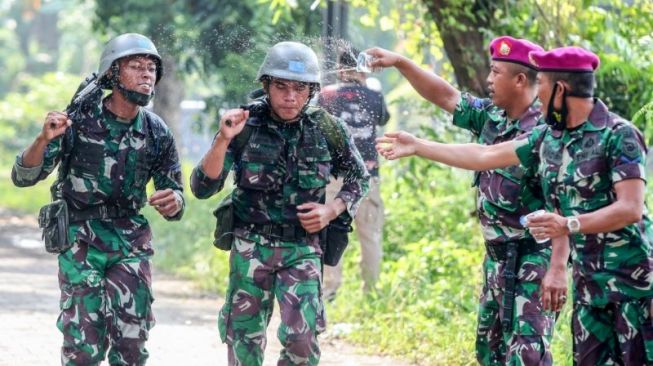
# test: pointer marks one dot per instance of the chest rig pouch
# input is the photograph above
(223, 235)
(53, 219)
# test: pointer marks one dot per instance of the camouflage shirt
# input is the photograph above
(579, 168)
(110, 163)
(283, 165)
(503, 194)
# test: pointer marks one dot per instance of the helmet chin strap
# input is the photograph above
(557, 119)
(135, 97)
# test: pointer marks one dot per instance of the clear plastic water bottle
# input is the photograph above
(523, 220)
(363, 62)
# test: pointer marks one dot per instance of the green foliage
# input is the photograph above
(11, 60)
(218, 44)
(25, 200)
(23, 111)
(618, 32)
(424, 306)
(644, 117)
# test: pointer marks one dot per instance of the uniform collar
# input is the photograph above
(137, 125)
(597, 121)
(599, 117)
(527, 120)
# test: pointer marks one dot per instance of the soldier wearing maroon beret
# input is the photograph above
(514, 323)
(591, 164)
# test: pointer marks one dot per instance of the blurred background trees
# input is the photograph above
(425, 306)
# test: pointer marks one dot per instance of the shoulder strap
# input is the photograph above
(329, 126)
(241, 139)
(150, 125)
(67, 145)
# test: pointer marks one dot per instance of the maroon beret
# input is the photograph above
(565, 59)
(515, 50)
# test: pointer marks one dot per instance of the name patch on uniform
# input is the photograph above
(296, 66)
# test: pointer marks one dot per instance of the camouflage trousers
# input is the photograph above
(617, 334)
(260, 271)
(105, 303)
(529, 341)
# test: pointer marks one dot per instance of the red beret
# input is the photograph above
(510, 49)
(565, 59)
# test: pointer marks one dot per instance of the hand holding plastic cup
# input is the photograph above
(524, 221)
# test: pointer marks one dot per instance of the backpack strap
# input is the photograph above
(67, 144)
(241, 139)
(330, 127)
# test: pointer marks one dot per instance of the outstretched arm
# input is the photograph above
(395, 145)
(429, 85)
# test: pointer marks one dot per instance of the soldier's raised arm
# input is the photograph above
(429, 85)
(40, 158)
(209, 175)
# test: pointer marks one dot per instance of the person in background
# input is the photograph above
(363, 110)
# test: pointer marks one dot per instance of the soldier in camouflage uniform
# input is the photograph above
(106, 156)
(514, 325)
(591, 163)
(279, 204)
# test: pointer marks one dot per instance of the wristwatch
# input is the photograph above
(573, 224)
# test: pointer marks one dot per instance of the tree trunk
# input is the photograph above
(463, 40)
(169, 94)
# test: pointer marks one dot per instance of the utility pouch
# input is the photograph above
(223, 236)
(53, 219)
(337, 239)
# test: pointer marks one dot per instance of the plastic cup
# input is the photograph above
(524, 221)
(363, 63)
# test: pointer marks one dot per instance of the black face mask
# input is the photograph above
(135, 97)
(557, 119)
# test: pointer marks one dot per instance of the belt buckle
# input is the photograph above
(492, 252)
(288, 233)
(104, 212)
(267, 230)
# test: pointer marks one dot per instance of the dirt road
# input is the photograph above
(186, 329)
